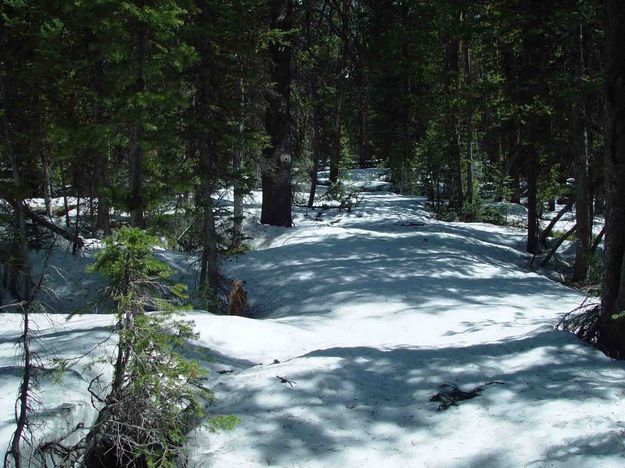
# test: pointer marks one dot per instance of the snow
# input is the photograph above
(567, 221)
(367, 313)
(366, 180)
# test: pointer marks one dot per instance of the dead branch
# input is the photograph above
(286, 381)
(597, 240)
(557, 246)
(42, 221)
(549, 228)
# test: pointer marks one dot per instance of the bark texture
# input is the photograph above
(612, 332)
(277, 158)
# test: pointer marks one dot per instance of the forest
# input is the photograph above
(276, 232)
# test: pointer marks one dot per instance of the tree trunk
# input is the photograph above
(363, 150)
(612, 332)
(453, 145)
(313, 98)
(469, 81)
(583, 206)
(533, 231)
(47, 185)
(277, 157)
(209, 269)
(20, 283)
(237, 158)
(103, 218)
(515, 164)
(335, 157)
(136, 203)
(314, 147)
(205, 142)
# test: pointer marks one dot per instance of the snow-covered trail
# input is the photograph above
(369, 313)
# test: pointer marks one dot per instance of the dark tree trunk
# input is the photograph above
(612, 332)
(47, 184)
(277, 158)
(313, 98)
(335, 156)
(66, 207)
(363, 140)
(469, 81)
(533, 231)
(136, 203)
(237, 159)
(512, 164)
(103, 221)
(209, 268)
(20, 280)
(205, 140)
(534, 54)
(343, 7)
(453, 137)
(583, 206)
(103, 216)
(314, 146)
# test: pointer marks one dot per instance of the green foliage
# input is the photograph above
(339, 192)
(127, 259)
(477, 211)
(594, 279)
(155, 391)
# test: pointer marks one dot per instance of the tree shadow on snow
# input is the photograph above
(378, 399)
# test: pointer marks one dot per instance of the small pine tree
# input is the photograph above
(154, 396)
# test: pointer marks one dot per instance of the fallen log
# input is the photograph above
(46, 223)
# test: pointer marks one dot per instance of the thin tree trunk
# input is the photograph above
(583, 214)
(237, 158)
(313, 97)
(363, 153)
(501, 180)
(77, 244)
(453, 137)
(314, 149)
(597, 241)
(24, 394)
(135, 147)
(533, 231)
(209, 269)
(47, 185)
(103, 221)
(515, 169)
(335, 157)
(469, 81)
(103, 216)
(68, 223)
(21, 281)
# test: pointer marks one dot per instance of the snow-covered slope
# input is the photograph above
(366, 314)
(369, 313)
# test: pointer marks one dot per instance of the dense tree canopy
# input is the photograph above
(133, 110)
